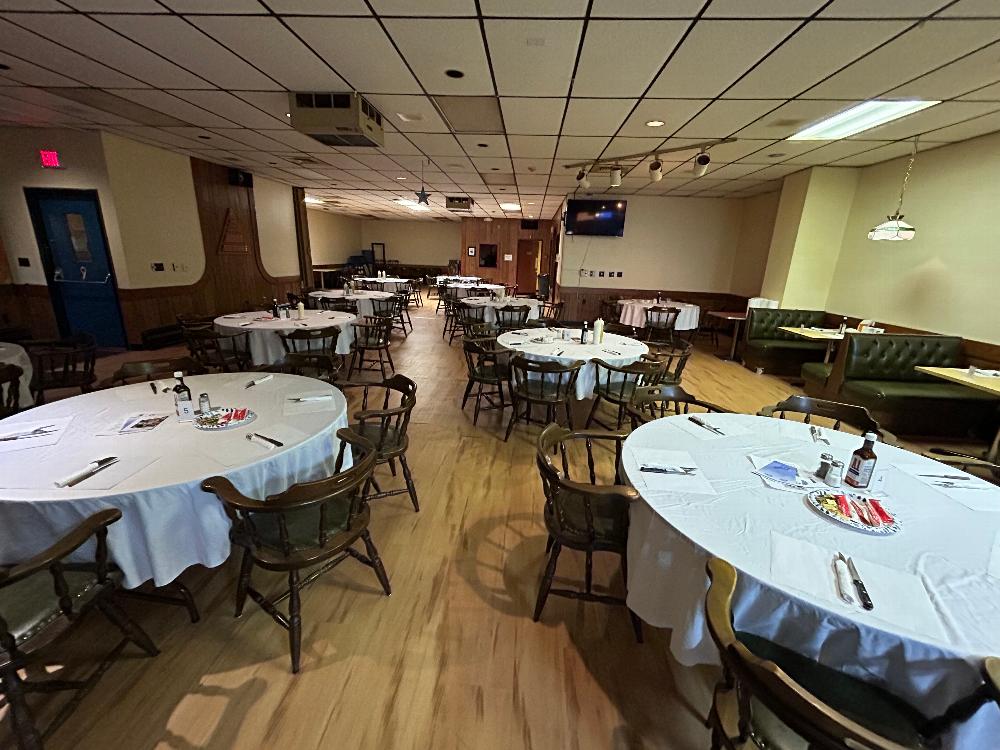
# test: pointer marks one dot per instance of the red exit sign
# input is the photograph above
(50, 159)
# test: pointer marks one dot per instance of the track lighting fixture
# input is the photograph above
(656, 169)
(701, 162)
(616, 176)
(581, 179)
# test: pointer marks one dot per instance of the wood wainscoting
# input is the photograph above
(28, 306)
(584, 303)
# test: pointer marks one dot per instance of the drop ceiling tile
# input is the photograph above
(359, 51)
(777, 170)
(646, 9)
(595, 116)
(86, 36)
(726, 116)
(939, 116)
(778, 151)
(989, 93)
(32, 47)
(28, 74)
(422, 117)
(914, 9)
(620, 146)
(744, 148)
(214, 6)
(971, 72)
(486, 164)
(161, 135)
(419, 41)
(186, 45)
(884, 153)
(792, 117)
(698, 70)
(523, 167)
(398, 144)
(327, 7)
(174, 106)
(534, 8)
(298, 140)
(90, 105)
(273, 102)
(811, 55)
(763, 8)
(533, 58)
(34, 5)
(232, 108)
(581, 147)
(977, 8)
(424, 7)
(116, 6)
(532, 146)
(824, 154)
(532, 116)
(731, 171)
(621, 58)
(916, 52)
(673, 113)
(484, 145)
(437, 144)
(268, 45)
(988, 123)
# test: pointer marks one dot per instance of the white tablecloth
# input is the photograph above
(463, 290)
(615, 350)
(491, 305)
(389, 283)
(12, 354)
(457, 279)
(949, 546)
(168, 523)
(265, 344)
(634, 313)
(362, 298)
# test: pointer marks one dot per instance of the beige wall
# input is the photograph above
(275, 212)
(786, 230)
(83, 157)
(683, 244)
(756, 228)
(157, 218)
(333, 237)
(945, 279)
(420, 242)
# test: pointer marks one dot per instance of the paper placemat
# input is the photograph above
(682, 472)
(35, 434)
(729, 430)
(968, 490)
(234, 449)
(292, 407)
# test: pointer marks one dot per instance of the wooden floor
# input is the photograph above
(451, 659)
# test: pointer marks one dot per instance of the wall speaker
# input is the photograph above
(239, 178)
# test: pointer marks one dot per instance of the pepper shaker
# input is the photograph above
(835, 476)
(825, 460)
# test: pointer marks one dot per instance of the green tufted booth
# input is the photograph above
(877, 371)
(778, 352)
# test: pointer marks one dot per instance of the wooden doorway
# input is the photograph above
(527, 265)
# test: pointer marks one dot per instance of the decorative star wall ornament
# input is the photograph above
(422, 194)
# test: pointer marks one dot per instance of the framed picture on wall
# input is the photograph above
(378, 247)
(472, 252)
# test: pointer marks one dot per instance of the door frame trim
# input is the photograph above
(33, 195)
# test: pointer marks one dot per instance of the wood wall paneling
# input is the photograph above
(504, 233)
(584, 303)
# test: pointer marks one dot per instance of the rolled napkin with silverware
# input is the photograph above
(86, 472)
(258, 381)
(264, 441)
(318, 397)
(845, 586)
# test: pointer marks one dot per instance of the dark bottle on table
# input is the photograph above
(583, 333)
(183, 404)
(274, 308)
(862, 466)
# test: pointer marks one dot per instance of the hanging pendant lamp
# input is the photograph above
(895, 229)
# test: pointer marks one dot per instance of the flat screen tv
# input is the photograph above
(600, 218)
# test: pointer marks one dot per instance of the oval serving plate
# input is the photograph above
(814, 500)
(225, 418)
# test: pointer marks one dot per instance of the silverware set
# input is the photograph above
(101, 465)
(817, 434)
(37, 432)
(859, 585)
(705, 425)
(684, 471)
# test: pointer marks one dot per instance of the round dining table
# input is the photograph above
(13, 354)
(549, 344)
(465, 289)
(492, 305)
(266, 347)
(168, 523)
(634, 313)
(362, 298)
(935, 583)
(457, 279)
(389, 283)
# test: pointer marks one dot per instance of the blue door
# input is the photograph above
(74, 251)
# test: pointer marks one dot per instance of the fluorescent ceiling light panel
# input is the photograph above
(510, 206)
(412, 205)
(860, 118)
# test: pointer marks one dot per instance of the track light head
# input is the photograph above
(701, 162)
(581, 179)
(616, 176)
(656, 170)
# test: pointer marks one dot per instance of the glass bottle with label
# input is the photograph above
(862, 466)
(183, 404)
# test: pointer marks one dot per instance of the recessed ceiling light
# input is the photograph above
(205, 137)
(453, 73)
(510, 206)
(655, 124)
(288, 114)
(400, 178)
(494, 169)
(4, 67)
(859, 118)
(776, 155)
(530, 203)
(483, 145)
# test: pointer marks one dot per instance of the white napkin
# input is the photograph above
(693, 481)
(312, 402)
(258, 381)
(106, 478)
(231, 447)
(34, 434)
(971, 491)
(729, 430)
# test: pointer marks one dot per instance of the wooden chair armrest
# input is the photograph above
(361, 416)
(610, 491)
(715, 407)
(67, 544)
(231, 496)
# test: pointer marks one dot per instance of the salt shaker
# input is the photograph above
(825, 460)
(835, 476)
(204, 404)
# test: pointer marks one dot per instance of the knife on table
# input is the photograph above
(97, 466)
(706, 425)
(866, 601)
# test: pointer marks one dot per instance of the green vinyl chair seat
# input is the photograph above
(816, 371)
(610, 522)
(886, 391)
(765, 345)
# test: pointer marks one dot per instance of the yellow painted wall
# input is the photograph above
(419, 242)
(756, 229)
(786, 230)
(333, 237)
(154, 200)
(946, 278)
(275, 212)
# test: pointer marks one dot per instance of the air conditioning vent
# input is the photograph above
(458, 204)
(336, 119)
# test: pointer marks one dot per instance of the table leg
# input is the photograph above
(737, 324)
(829, 352)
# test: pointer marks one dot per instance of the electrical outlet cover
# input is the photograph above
(601, 274)
(619, 274)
